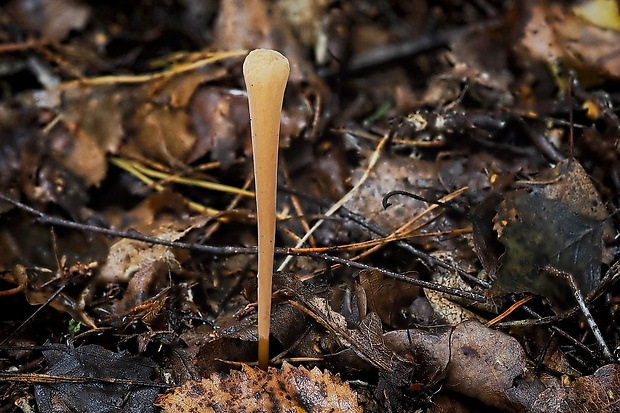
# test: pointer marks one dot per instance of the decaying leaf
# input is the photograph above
(599, 392)
(145, 118)
(554, 31)
(218, 117)
(259, 23)
(163, 123)
(488, 365)
(52, 19)
(366, 341)
(556, 220)
(128, 256)
(476, 361)
(93, 117)
(95, 362)
(288, 389)
(415, 175)
(388, 297)
(454, 310)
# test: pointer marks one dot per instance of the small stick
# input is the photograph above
(266, 73)
(584, 309)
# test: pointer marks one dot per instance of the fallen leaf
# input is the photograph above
(288, 389)
(95, 362)
(219, 118)
(557, 221)
(388, 297)
(53, 19)
(475, 361)
(596, 393)
(553, 31)
(128, 256)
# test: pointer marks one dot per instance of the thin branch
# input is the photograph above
(227, 250)
(570, 279)
(371, 164)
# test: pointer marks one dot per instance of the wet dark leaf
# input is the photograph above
(556, 220)
(98, 363)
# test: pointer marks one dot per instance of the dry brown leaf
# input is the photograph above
(248, 24)
(158, 113)
(53, 19)
(394, 172)
(555, 32)
(288, 389)
(599, 392)
(163, 122)
(93, 117)
(219, 119)
(256, 23)
(388, 297)
(477, 362)
(127, 256)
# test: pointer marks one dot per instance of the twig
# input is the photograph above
(142, 78)
(612, 275)
(510, 310)
(166, 177)
(210, 249)
(135, 171)
(404, 277)
(584, 308)
(55, 379)
(359, 219)
(371, 164)
(131, 234)
(385, 54)
(41, 307)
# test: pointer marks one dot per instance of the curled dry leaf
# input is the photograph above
(219, 119)
(388, 297)
(288, 389)
(162, 122)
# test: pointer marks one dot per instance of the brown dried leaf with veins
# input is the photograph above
(288, 389)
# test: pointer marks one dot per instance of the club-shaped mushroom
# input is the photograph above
(266, 73)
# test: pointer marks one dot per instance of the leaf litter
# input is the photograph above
(127, 216)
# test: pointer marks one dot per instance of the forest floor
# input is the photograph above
(446, 216)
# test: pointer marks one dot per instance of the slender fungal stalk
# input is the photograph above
(266, 73)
